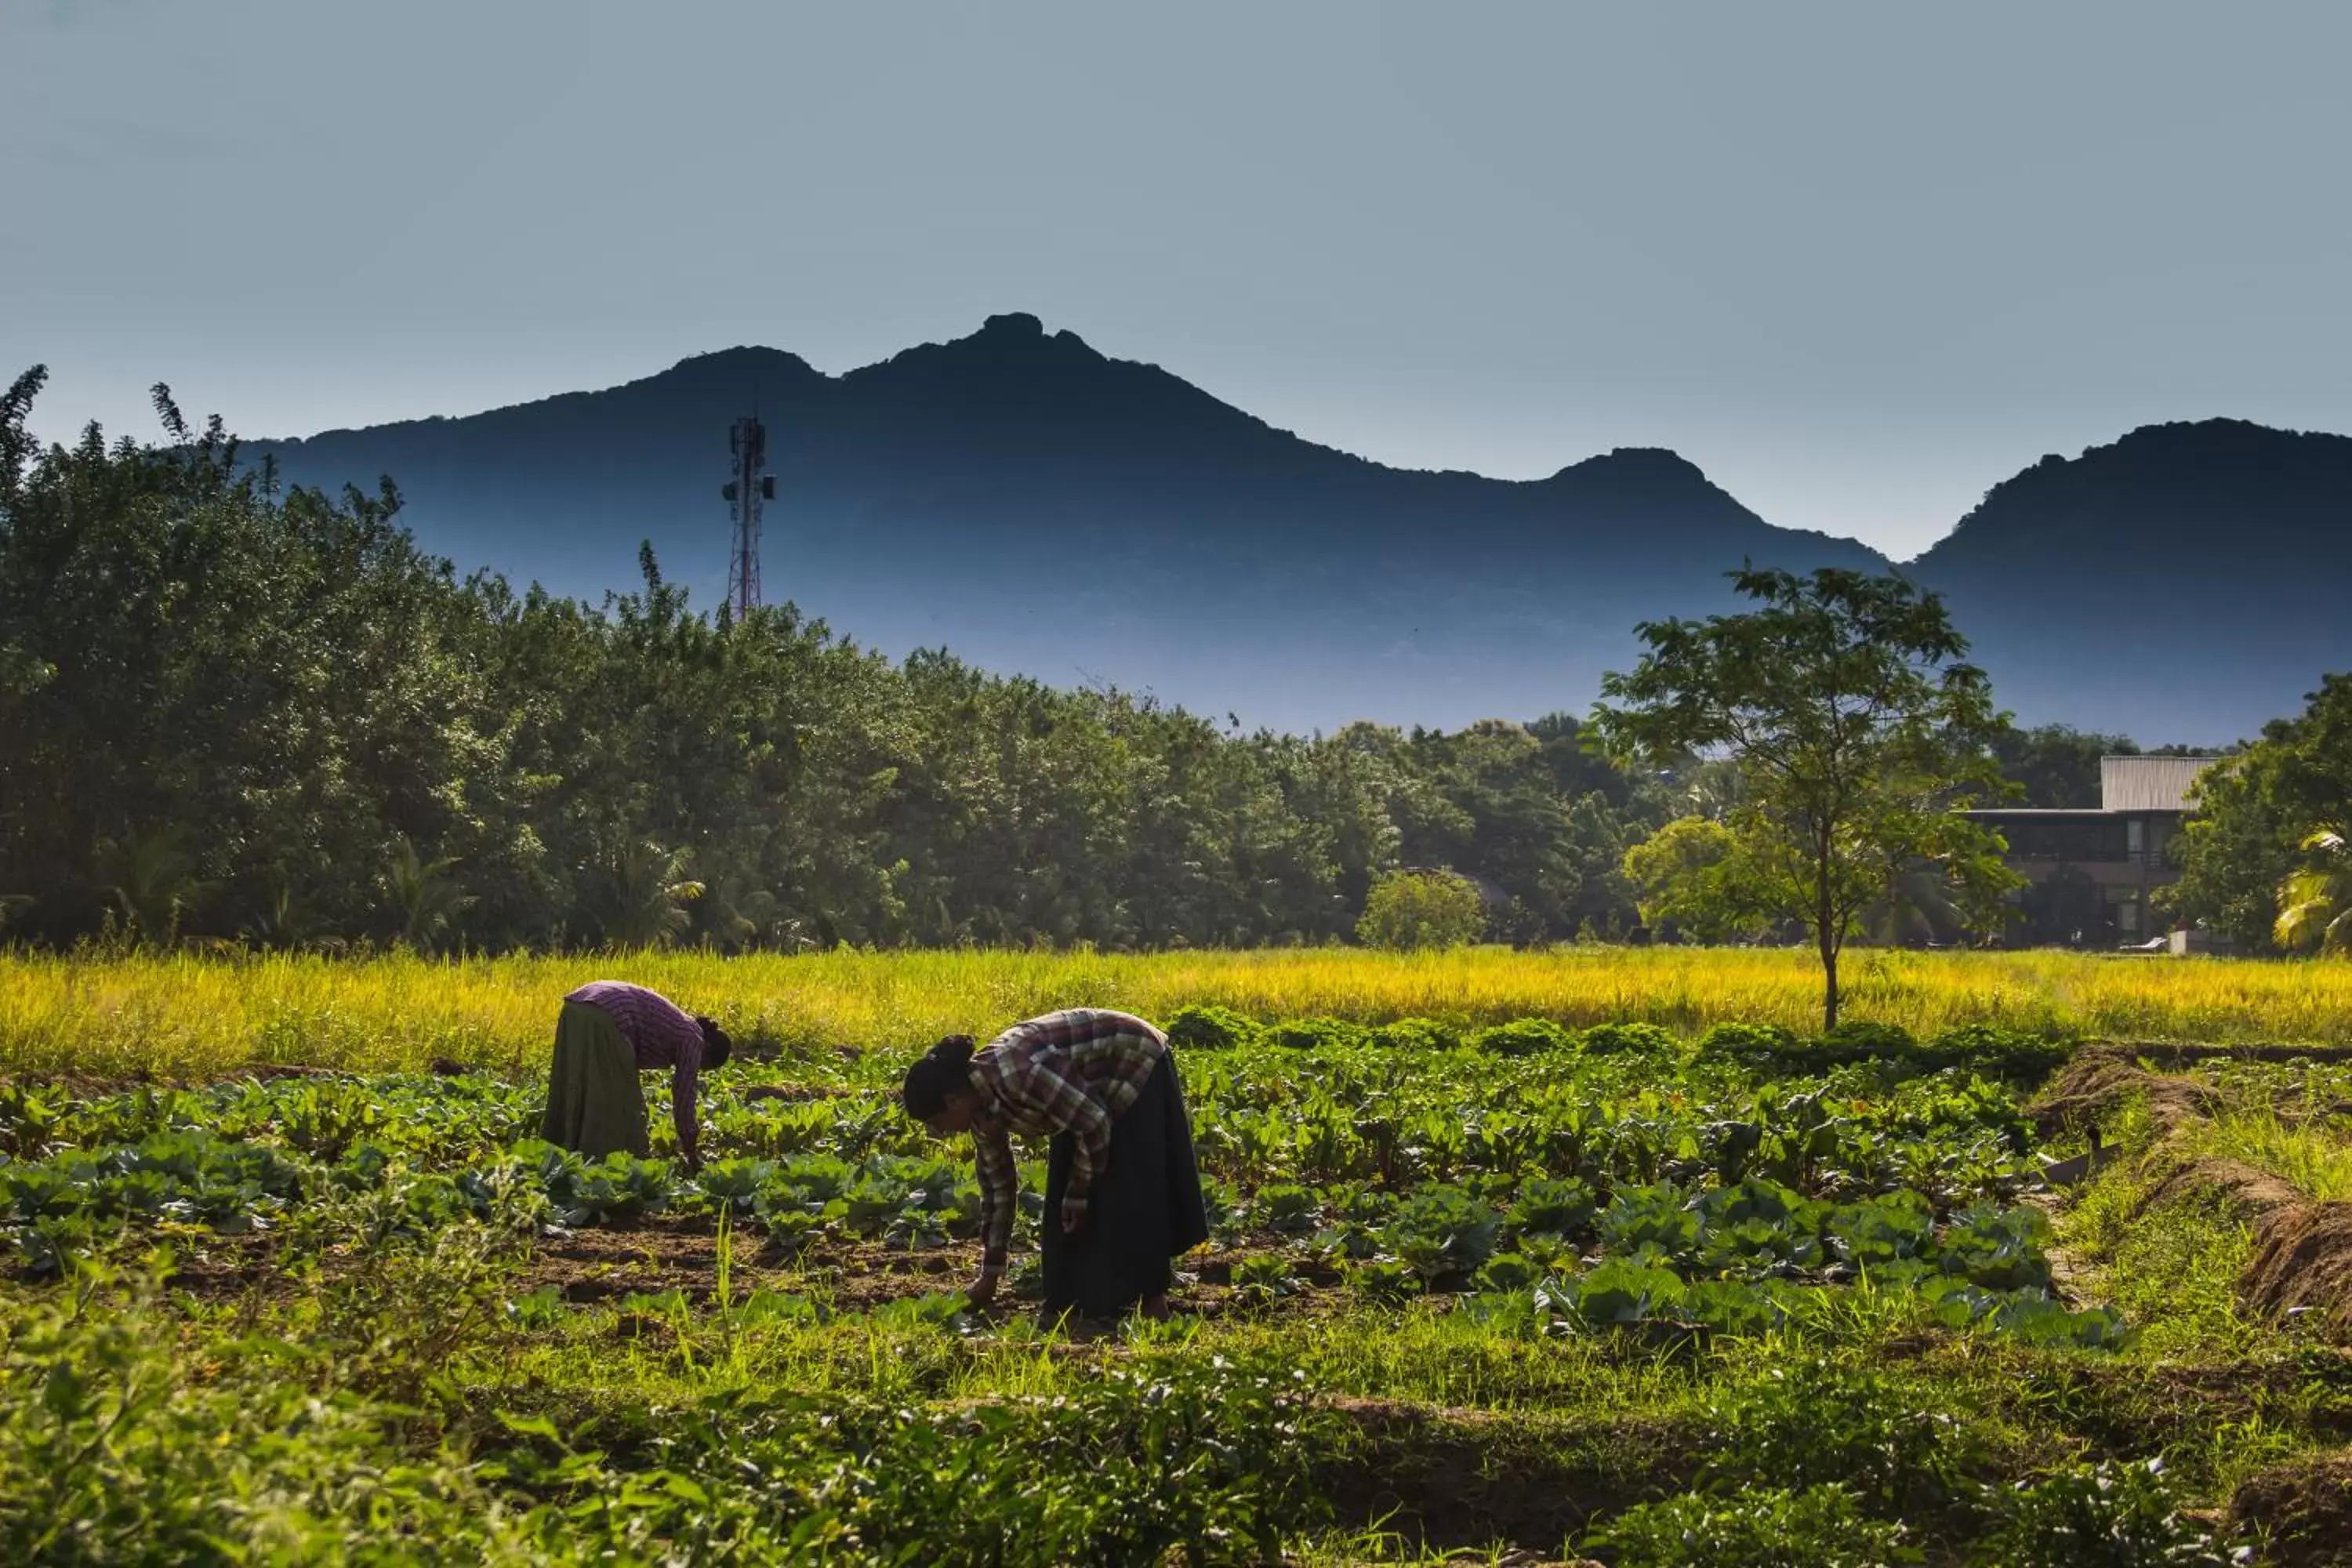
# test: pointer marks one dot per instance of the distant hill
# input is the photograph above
(1041, 508)
(2188, 581)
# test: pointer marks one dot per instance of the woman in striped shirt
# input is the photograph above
(1122, 1187)
(608, 1032)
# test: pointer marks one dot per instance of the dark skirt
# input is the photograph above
(594, 1102)
(1145, 1209)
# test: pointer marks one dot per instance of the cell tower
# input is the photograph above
(751, 486)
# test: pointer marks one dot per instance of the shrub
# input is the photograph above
(1524, 1038)
(2004, 1053)
(2104, 1516)
(1819, 1527)
(1748, 1042)
(1210, 1028)
(1630, 1039)
(1414, 1034)
(1411, 910)
(1861, 1038)
(1313, 1034)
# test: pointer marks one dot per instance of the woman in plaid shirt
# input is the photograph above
(1122, 1189)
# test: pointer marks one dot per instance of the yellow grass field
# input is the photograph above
(184, 1016)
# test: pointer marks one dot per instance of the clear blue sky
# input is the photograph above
(1858, 261)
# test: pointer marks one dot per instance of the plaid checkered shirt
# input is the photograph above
(661, 1035)
(1068, 1072)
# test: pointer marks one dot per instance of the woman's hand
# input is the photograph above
(1073, 1215)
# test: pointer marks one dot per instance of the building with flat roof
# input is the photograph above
(2090, 872)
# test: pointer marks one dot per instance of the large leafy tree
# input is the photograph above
(1859, 727)
(2261, 860)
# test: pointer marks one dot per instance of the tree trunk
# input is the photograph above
(1828, 981)
(1825, 933)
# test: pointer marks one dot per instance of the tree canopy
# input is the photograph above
(2263, 858)
(1859, 728)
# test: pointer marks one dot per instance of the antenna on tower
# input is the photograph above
(751, 486)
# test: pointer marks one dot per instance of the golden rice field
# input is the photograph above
(184, 1016)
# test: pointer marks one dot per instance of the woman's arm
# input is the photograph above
(1000, 1188)
(1065, 1103)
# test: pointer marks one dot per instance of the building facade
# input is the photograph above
(2091, 873)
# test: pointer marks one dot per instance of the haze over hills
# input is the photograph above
(1037, 507)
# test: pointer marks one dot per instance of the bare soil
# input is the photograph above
(1473, 1479)
(2304, 1506)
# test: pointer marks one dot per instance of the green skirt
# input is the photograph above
(595, 1103)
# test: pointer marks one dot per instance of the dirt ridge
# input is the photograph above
(2301, 1264)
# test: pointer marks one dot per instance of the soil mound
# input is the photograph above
(2255, 1194)
(2304, 1506)
(2302, 1262)
(2097, 1082)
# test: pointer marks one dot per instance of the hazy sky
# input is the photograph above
(1858, 261)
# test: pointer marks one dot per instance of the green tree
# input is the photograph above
(1688, 872)
(1859, 726)
(2055, 765)
(282, 687)
(2256, 849)
(1409, 910)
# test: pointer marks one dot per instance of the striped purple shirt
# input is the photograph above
(662, 1037)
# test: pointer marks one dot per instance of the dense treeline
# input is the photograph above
(230, 712)
(2267, 859)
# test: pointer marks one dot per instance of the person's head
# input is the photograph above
(716, 1046)
(938, 1091)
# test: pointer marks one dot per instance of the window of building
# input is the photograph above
(2083, 838)
(2124, 907)
(2136, 838)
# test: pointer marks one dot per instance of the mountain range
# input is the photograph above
(1039, 508)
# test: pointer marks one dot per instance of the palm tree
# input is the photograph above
(1917, 904)
(2314, 901)
(649, 893)
(423, 894)
(155, 879)
(737, 913)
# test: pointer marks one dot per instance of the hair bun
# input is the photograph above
(955, 1050)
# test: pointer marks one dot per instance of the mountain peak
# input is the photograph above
(1012, 324)
(2153, 493)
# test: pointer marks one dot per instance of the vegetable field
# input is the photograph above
(1486, 1282)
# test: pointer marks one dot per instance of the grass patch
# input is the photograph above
(2172, 1269)
(184, 1016)
(2312, 1158)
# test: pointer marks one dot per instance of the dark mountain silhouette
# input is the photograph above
(1035, 505)
(1040, 508)
(2186, 581)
